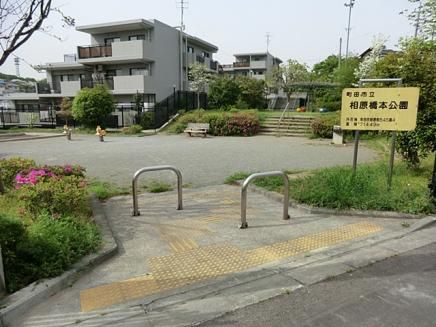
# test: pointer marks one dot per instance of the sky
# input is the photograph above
(305, 30)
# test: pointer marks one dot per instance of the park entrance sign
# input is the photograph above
(379, 109)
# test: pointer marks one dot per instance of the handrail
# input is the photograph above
(244, 194)
(281, 118)
(156, 168)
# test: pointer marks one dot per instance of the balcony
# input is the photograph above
(241, 64)
(95, 51)
(116, 52)
(131, 84)
(258, 64)
(108, 82)
(70, 88)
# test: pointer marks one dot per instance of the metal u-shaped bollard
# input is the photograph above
(156, 168)
(244, 188)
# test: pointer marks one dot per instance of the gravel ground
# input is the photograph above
(203, 161)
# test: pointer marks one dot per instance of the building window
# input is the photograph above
(111, 73)
(206, 54)
(136, 37)
(110, 40)
(146, 71)
(190, 49)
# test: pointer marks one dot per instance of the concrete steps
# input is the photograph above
(296, 126)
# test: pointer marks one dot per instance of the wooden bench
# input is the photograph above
(196, 128)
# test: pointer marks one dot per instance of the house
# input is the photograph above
(255, 65)
(129, 57)
(384, 52)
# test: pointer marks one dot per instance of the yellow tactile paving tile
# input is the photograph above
(191, 264)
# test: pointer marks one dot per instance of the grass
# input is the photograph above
(233, 179)
(105, 190)
(158, 187)
(337, 189)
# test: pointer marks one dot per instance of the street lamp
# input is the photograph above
(350, 6)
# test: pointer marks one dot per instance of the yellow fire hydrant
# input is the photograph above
(100, 133)
(67, 132)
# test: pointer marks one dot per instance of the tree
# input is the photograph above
(345, 75)
(19, 19)
(223, 92)
(199, 79)
(324, 71)
(367, 67)
(65, 112)
(251, 93)
(415, 64)
(423, 17)
(287, 76)
(92, 106)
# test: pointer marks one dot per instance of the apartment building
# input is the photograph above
(255, 65)
(129, 57)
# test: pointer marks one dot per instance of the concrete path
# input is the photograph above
(176, 268)
(202, 161)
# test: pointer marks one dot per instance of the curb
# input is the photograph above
(32, 138)
(21, 301)
(315, 210)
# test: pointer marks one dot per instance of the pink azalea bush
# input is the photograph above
(32, 177)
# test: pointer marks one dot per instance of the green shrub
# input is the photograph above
(131, 130)
(92, 106)
(240, 123)
(9, 168)
(146, 120)
(323, 127)
(46, 249)
(59, 196)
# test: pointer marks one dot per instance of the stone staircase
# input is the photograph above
(290, 126)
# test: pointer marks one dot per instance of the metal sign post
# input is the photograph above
(379, 109)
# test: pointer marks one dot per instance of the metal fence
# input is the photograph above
(41, 117)
(180, 100)
(123, 116)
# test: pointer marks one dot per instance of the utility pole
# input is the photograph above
(418, 19)
(350, 6)
(340, 53)
(268, 40)
(17, 66)
(183, 5)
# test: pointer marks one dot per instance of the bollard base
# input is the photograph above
(243, 226)
(287, 218)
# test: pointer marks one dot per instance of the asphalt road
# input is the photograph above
(398, 292)
(202, 161)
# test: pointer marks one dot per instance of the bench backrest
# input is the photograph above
(198, 126)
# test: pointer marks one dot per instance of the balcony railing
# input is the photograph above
(44, 88)
(109, 82)
(241, 64)
(95, 51)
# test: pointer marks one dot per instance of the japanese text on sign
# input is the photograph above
(390, 109)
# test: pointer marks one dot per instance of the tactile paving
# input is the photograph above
(191, 263)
